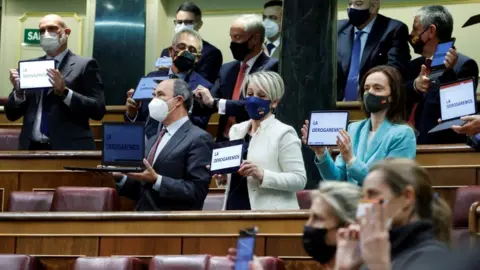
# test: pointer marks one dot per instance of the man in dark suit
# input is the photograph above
(189, 16)
(178, 178)
(57, 118)
(367, 39)
(433, 25)
(184, 51)
(226, 96)
(272, 21)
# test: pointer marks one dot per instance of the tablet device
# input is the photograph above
(440, 54)
(245, 248)
(33, 74)
(146, 86)
(457, 99)
(324, 127)
(227, 157)
(163, 62)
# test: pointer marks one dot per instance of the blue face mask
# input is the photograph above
(256, 107)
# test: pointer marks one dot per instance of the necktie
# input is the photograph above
(411, 118)
(270, 47)
(46, 105)
(351, 87)
(236, 96)
(154, 148)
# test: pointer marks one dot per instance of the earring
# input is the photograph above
(274, 110)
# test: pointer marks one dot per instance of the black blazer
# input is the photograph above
(427, 112)
(223, 89)
(182, 163)
(69, 127)
(209, 63)
(387, 44)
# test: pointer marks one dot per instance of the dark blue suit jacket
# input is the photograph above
(223, 89)
(427, 112)
(209, 63)
(193, 79)
(387, 44)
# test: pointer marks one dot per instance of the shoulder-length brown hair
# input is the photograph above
(396, 111)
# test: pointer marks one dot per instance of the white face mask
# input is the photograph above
(50, 42)
(180, 27)
(271, 28)
(158, 109)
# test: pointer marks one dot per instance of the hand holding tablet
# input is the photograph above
(226, 157)
(33, 74)
(146, 87)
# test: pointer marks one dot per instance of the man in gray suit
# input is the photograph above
(57, 118)
(178, 178)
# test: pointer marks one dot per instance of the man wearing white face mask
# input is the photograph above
(189, 16)
(176, 176)
(272, 21)
(57, 118)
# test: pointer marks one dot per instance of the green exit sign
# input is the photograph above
(31, 37)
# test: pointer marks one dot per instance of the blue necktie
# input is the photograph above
(270, 47)
(46, 105)
(351, 88)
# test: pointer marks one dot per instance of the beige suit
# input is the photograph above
(276, 149)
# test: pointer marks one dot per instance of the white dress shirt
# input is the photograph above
(36, 134)
(171, 130)
(222, 103)
(363, 39)
(276, 43)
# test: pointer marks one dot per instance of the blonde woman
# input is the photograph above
(334, 206)
(272, 170)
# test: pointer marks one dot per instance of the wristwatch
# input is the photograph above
(215, 103)
(65, 93)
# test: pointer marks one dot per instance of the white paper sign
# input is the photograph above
(33, 74)
(163, 62)
(325, 127)
(362, 208)
(227, 157)
(457, 100)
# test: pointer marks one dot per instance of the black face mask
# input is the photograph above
(375, 103)
(184, 61)
(417, 43)
(358, 17)
(314, 243)
(240, 50)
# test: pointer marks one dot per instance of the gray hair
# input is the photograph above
(438, 16)
(268, 81)
(190, 32)
(252, 24)
(343, 197)
(182, 89)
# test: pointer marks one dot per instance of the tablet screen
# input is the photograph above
(441, 53)
(146, 87)
(325, 127)
(457, 99)
(227, 157)
(123, 144)
(33, 74)
(163, 62)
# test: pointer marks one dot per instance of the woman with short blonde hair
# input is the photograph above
(272, 170)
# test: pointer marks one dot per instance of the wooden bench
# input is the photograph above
(451, 166)
(57, 239)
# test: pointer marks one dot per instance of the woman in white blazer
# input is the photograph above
(272, 170)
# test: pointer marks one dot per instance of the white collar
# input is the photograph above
(251, 62)
(175, 126)
(367, 29)
(276, 43)
(59, 57)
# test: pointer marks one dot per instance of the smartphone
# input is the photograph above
(364, 206)
(441, 52)
(245, 248)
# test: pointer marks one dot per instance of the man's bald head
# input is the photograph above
(53, 19)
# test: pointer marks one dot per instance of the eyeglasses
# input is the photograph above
(190, 49)
(186, 22)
